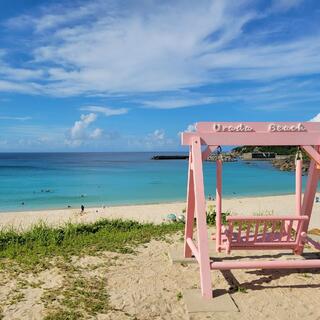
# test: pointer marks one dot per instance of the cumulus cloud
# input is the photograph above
(190, 128)
(80, 131)
(108, 112)
(157, 135)
(79, 128)
(96, 133)
(153, 140)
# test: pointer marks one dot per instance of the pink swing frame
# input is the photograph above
(293, 230)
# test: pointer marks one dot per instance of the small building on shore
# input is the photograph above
(258, 155)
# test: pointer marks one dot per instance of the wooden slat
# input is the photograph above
(264, 231)
(289, 229)
(272, 230)
(282, 230)
(230, 231)
(256, 229)
(239, 232)
(248, 231)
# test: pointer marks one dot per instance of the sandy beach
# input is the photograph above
(147, 285)
(156, 213)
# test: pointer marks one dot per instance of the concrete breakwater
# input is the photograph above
(226, 157)
(170, 157)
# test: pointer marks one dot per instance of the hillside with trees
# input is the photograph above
(281, 150)
(287, 164)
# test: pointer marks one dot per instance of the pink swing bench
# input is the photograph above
(249, 232)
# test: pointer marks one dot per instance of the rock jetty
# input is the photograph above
(288, 164)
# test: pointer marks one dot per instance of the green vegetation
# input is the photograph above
(63, 315)
(83, 292)
(281, 150)
(211, 216)
(32, 247)
(179, 296)
(242, 289)
(79, 296)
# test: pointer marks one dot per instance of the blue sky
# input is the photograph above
(106, 75)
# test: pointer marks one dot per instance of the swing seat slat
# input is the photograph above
(263, 232)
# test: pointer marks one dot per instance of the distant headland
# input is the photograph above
(282, 158)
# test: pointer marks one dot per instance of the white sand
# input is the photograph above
(277, 205)
(147, 285)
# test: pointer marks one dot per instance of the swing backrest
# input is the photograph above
(264, 232)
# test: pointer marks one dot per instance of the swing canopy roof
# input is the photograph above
(255, 133)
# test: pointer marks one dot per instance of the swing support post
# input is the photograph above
(218, 202)
(243, 232)
(298, 186)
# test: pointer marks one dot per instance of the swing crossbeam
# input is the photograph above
(249, 232)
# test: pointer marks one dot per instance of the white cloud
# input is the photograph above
(153, 140)
(158, 135)
(16, 74)
(96, 133)
(56, 16)
(316, 118)
(15, 118)
(105, 47)
(81, 132)
(20, 73)
(179, 103)
(21, 87)
(78, 131)
(106, 111)
(26, 137)
(191, 127)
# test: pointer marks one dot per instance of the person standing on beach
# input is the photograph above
(82, 208)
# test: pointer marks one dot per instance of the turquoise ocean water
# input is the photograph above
(57, 180)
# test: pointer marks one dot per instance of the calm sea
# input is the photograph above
(57, 180)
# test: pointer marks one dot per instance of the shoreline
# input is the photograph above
(226, 197)
(153, 213)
